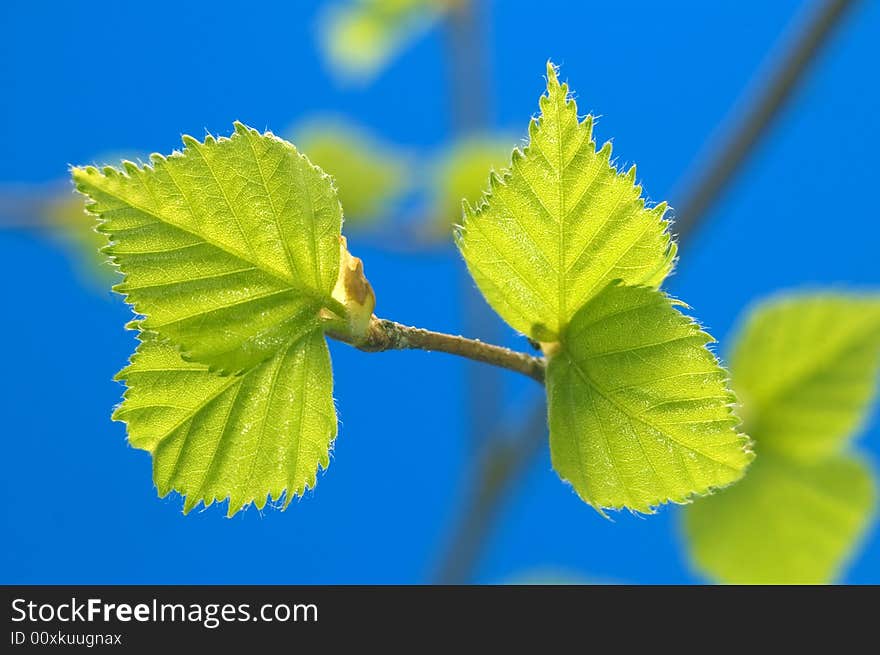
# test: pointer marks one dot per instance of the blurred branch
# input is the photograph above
(710, 179)
(24, 206)
(505, 460)
(468, 67)
(469, 88)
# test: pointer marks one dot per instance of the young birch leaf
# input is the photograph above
(561, 224)
(787, 522)
(639, 409)
(230, 248)
(805, 368)
(244, 437)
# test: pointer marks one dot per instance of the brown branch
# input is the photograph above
(385, 335)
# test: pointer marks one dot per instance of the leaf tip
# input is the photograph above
(77, 172)
(552, 74)
(190, 501)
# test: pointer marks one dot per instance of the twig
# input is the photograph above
(385, 335)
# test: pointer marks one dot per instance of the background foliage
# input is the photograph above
(97, 79)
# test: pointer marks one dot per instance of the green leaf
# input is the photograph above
(561, 224)
(565, 250)
(462, 174)
(230, 248)
(787, 522)
(805, 368)
(639, 409)
(360, 37)
(245, 437)
(368, 174)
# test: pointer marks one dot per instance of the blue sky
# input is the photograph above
(92, 78)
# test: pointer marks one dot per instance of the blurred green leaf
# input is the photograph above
(369, 175)
(360, 37)
(462, 173)
(786, 522)
(805, 369)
